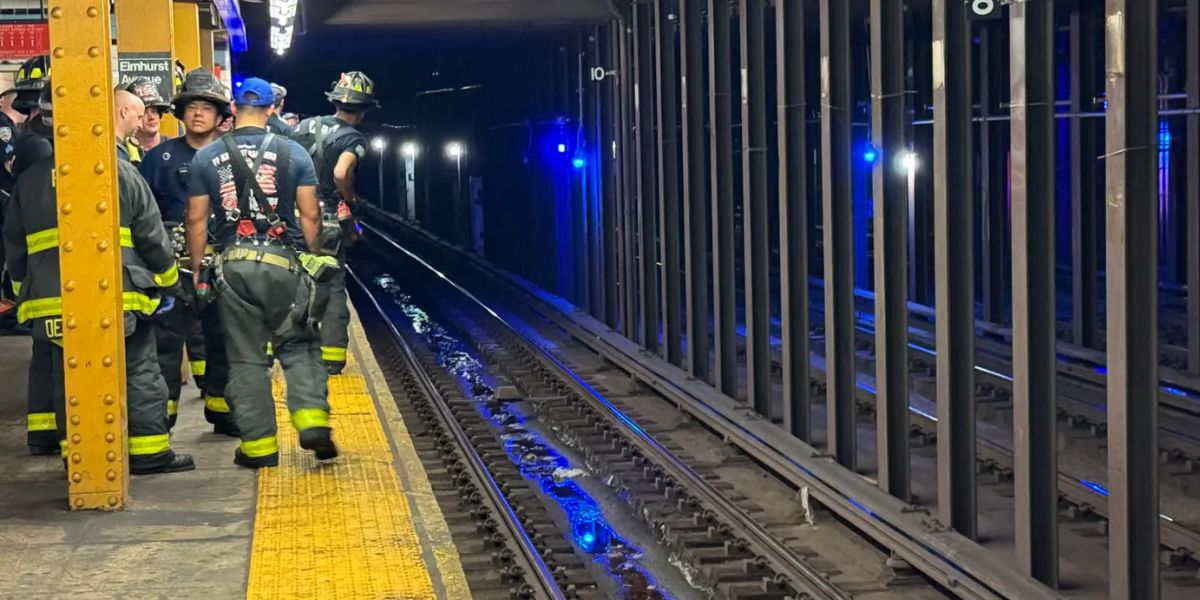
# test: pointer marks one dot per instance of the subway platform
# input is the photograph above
(364, 526)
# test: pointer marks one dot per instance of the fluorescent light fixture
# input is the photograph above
(283, 24)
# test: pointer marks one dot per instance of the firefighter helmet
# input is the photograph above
(148, 91)
(280, 93)
(200, 84)
(354, 90)
(32, 77)
(45, 106)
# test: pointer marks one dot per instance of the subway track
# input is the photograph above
(677, 479)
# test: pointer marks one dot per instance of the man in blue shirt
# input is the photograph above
(199, 105)
(259, 189)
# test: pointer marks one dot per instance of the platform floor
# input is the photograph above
(365, 526)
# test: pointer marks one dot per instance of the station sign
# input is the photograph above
(19, 41)
(155, 66)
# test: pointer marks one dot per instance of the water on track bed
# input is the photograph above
(591, 530)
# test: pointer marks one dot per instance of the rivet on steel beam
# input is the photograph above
(76, 439)
(73, 401)
(102, 245)
(60, 91)
(74, 419)
(107, 360)
(70, 323)
(63, 131)
(97, 130)
(109, 418)
(77, 477)
(104, 284)
(108, 398)
(59, 52)
(101, 206)
(79, 503)
(94, 90)
(67, 208)
(72, 362)
(111, 456)
(106, 322)
(93, 52)
(56, 12)
(92, 11)
(109, 437)
(68, 246)
(98, 168)
(77, 458)
(113, 500)
(69, 285)
(64, 170)
(111, 475)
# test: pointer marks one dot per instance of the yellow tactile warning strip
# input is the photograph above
(348, 529)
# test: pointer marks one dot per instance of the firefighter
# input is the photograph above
(32, 143)
(337, 147)
(201, 102)
(127, 118)
(276, 124)
(259, 189)
(31, 245)
(149, 132)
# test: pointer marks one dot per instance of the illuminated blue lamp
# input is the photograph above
(870, 154)
(232, 17)
(562, 148)
(578, 162)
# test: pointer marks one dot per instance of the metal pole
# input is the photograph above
(793, 217)
(1193, 186)
(695, 187)
(1131, 269)
(721, 132)
(648, 297)
(610, 164)
(992, 196)
(1084, 313)
(754, 211)
(1031, 56)
(838, 227)
(628, 150)
(953, 263)
(382, 200)
(891, 246)
(668, 179)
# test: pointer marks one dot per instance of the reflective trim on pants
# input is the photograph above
(42, 422)
(307, 418)
(167, 278)
(146, 445)
(216, 404)
(62, 448)
(198, 367)
(260, 447)
(172, 408)
(333, 354)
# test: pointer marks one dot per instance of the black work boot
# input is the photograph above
(228, 428)
(178, 464)
(44, 450)
(334, 368)
(320, 441)
(240, 459)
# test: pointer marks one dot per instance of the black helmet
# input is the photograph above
(354, 90)
(200, 84)
(45, 106)
(148, 91)
(32, 77)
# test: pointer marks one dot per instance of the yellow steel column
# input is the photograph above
(90, 251)
(148, 26)
(206, 48)
(187, 34)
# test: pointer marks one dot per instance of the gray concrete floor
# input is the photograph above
(183, 535)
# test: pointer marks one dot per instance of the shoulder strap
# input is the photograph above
(244, 178)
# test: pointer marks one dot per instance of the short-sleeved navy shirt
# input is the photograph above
(351, 140)
(212, 176)
(167, 170)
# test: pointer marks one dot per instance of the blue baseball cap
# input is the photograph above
(263, 94)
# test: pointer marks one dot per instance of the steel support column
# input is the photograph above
(187, 34)
(1131, 211)
(721, 154)
(695, 187)
(598, 186)
(840, 370)
(93, 329)
(1084, 295)
(1031, 56)
(609, 155)
(648, 297)
(148, 26)
(668, 177)
(628, 200)
(793, 217)
(755, 236)
(953, 266)
(1193, 187)
(891, 246)
(993, 187)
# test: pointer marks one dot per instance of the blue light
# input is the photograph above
(1101, 370)
(1095, 487)
(588, 538)
(578, 162)
(562, 148)
(870, 154)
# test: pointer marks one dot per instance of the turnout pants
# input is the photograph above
(149, 442)
(259, 296)
(205, 346)
(335, 322)
(42, 422)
